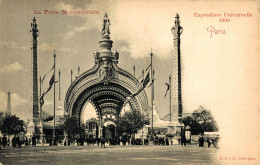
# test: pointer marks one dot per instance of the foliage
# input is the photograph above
(47, 117)
(204, 117)
(201, 121)
(170, 135)
(188, 120)
(10, 124)
(72, 128)
(131, 122)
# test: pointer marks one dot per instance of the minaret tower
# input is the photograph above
(9, 102)
(176, 72)
(35, 34)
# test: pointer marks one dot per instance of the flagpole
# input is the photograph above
(54, 101)
(143, 74)
(170, 98)
(143, 127)
(134, 70)
(59, 85)
(71, 73)
(152, 89)
(40, 97)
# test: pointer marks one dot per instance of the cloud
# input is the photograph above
(12, 45)
(14, 67)
(92, 21)
(48, 103)
(16, 101)
(54, 46)
(131, 23)
(75, 30)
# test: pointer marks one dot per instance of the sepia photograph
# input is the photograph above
(116, 82)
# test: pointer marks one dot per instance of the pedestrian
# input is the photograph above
(103, 141)
(98, 141)
(183, 140)
(201, 141)
(34, 141)
(167, 141)
(18, 141)
(209, 142)
(4, 141)
(14, 142)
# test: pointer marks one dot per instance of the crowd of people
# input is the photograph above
(17, 143)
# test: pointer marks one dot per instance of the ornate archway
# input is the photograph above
(106, 86)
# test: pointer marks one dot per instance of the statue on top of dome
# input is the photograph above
(106, 23)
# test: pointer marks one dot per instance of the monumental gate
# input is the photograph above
(106, 86)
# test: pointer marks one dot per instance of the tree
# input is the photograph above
(47, 117)
(187, 121)
(131, 122)
(73, 128)
(202, 117)
(11, 125)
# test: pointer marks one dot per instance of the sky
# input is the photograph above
(220, 72)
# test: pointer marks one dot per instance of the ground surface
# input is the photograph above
(134, 155)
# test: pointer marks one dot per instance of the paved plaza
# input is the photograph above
(116, 155)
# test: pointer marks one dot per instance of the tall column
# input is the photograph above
(9, 102)
(176, 75)
(35, 34)
(59, 85)
(170, 97)
(152, 88)
(54, 116)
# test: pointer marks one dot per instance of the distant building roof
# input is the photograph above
(167, 117)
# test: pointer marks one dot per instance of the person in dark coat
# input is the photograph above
(34, 141)
(18, 141)
(209, 142)
(201, 141)
(4, 141)
(183, 140)
(98, 141)
(14, 142)
(167, 141)
(103, 141)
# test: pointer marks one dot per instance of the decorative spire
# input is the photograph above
(177, 21)
(34, 30)
(177, 29)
